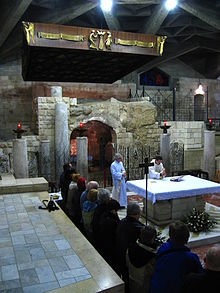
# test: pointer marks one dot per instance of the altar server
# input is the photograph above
(118, 178)
(157, 171)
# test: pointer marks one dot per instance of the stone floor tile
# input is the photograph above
(18, 239)
(67, 282)
(41, 288)
(14, 227)
(49, 246)
(9, 272)
(82, 278)
(3, 220)
(9, 260)
(73, 261)
(28, 277)
(41, 263)
(25, 266)
(14, 290)
(6, 251)
(45, 274)
(27, 226)
(72, 274)
(62, 244)
(37, 253)
(31, 238)
(10, 285)
(3, 226)
(58, 264)
(22, 256)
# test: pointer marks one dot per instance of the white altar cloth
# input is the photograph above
(165, 189)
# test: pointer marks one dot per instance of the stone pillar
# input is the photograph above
(20, 158)
(45, 159)
(61, 138)
(56, 91)
(82, 156)
(165, 151)
(209, 153)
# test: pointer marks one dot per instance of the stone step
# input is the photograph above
(9, 184)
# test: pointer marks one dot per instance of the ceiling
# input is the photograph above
(192, 29)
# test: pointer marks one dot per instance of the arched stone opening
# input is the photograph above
(199, 107)
(101, 138)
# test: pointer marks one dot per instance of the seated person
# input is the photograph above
(157, 171)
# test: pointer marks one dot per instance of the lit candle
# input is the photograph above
(80, 124)
(164, 123)
(19, 126)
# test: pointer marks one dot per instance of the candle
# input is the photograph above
(19, 126)
(210, 121)
(165, 123)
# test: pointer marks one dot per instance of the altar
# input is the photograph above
(168, 200)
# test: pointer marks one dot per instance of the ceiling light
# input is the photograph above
(106, 5)
(170, 4)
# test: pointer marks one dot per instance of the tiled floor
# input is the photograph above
(34, 254)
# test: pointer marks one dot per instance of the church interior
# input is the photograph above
(80, 82)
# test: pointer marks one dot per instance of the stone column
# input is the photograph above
(209, 153)
(61, 138)
(20, 158)
(45, 159)
(82, 156)
(56, 91)
(165, 151)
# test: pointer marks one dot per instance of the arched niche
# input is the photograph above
(199, 107)
(101, 138)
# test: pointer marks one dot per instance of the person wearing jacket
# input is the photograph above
(174, 261)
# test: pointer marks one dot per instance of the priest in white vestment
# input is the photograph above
(157, 171)
(118, 178)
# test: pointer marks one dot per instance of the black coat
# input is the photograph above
(208, 281)
(127, 233)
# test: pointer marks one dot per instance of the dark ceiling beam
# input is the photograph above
(168, 56)
(112, 21)
(180, 30)
(67, 14)
(156, 19)
(17, 10)
(201, 13)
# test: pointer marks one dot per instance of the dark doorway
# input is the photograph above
(100, 137)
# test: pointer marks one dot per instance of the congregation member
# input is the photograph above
(157, 171)
(209, 280)
(174, 261)
(71, 194)
(103, 197)
(108, 224)
(74, 209)
(118, 178)
(65, 180)
(88, 210)
(140, 260)
(128, 231)
(90, 185)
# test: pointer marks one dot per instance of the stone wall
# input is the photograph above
(191, 134)
(33, 150)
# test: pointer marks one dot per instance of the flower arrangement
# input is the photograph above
(159, 240)
(199, 221)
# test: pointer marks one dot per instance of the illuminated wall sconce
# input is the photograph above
(199, 90)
